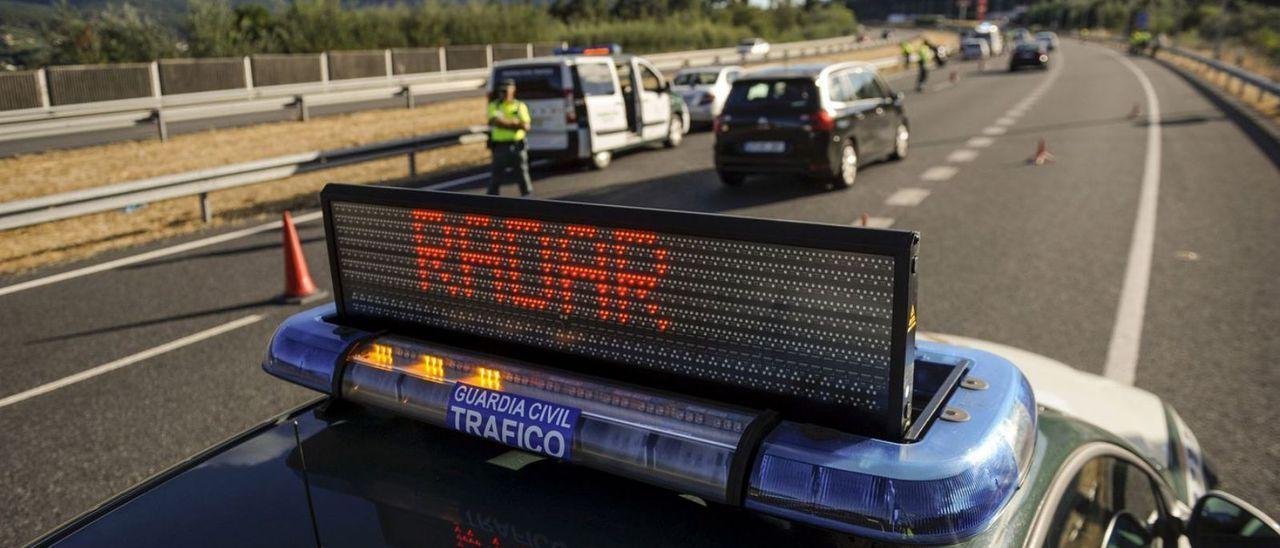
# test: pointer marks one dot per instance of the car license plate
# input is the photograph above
(764, 147)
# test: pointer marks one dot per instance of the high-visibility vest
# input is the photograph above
(508, 110)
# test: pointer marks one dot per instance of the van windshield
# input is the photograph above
(533, 82)
(797, 95)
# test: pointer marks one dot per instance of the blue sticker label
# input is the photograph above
(518, 421)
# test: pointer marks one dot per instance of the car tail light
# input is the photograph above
(822, 121)
(570, 113)
(720, 123)
(707, 98)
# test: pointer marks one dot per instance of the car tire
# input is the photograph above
(600, 160)
(901, 140)
(847, 172)
(731, 179)
(675, 132)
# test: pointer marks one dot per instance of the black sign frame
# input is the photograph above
(901, 245)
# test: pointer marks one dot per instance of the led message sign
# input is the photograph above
(811, 320)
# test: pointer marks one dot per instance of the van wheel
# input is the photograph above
(901, 139)
(601, 160)
(675, 132)
(731, 179)
(848, 169)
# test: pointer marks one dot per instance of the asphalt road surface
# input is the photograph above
(1033, 256)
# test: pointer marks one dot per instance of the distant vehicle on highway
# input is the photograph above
(1029, 54)
(704, 89)
(974, 48)
(820, 121)
(1048, 39)
(991, 33)
(753, 46)
(588, 103)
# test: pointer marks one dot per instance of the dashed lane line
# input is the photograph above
(962, 155)
(994, 130)
(130, 360)
(979, 142)
(938, 173)
(907, 197)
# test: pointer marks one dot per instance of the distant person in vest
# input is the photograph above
(508, 121)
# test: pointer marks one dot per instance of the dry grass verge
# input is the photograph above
(65, 170)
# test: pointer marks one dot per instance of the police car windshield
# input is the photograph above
(536, 82)
(696, 78)
(790, 95)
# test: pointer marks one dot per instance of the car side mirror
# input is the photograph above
(1126, 531)
(899, 97)
(1222, 519)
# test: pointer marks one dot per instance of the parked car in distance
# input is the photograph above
(1029, 54)
(820, 121)
(753, 46)
(704, 89)
(1048, 39)
(974, 48)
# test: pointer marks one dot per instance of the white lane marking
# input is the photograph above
(938, 173)
(908, 197)
(456, 182)
(1006, 121)
(130, 360)
(994, 130)
(876, 222)
(962, 155)
(142, 257)
(979, 142)
(1126, 336)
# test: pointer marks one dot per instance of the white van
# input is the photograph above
(990, 33)
(589, 103)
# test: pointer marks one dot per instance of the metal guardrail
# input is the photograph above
(200, 183)
(161, 110)
(1263, 84)
(95, 200)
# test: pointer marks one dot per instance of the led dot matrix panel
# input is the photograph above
(812, 320)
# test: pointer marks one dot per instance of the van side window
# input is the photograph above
(649, 80)
(596, 79)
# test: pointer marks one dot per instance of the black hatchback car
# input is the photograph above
(818, 121)
(1029, 54)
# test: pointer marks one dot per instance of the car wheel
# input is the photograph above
(601, 160)
(848, 167)
(675, 132)
(731, 179)
(901, 139)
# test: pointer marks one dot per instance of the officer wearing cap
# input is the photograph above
(508, 121)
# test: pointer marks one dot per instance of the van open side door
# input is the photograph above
(606, 110)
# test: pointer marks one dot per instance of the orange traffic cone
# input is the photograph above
(298, 287)
(864, 220)
(1135, 111)
(955, 77)
(1043, 156)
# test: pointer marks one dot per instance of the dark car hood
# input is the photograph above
(360, 478)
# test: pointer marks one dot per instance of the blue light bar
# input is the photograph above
(947, 487)
(605, 49)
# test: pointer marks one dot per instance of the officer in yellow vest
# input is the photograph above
(508, 121)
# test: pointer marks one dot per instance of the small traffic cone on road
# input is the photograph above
(1134, 112)
(1043, 156)
(955, 77)
(864, 220)
(298, 287)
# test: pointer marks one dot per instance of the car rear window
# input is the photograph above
(596, 79)
(533, 82)
(696, 78)
(772, 95)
